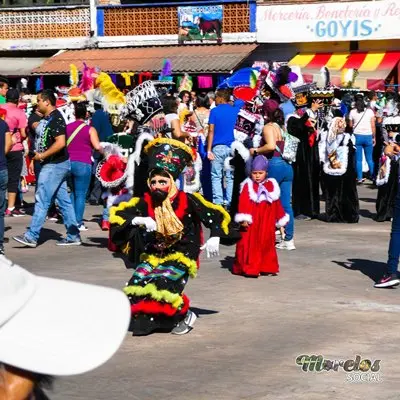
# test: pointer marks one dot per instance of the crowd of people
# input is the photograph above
(246, 161)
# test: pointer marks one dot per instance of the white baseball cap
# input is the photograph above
(57, 327)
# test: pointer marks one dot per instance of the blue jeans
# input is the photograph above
(282, 171)
(3, 201)
(221, 153)
(364, 142)
(106, 213)
(52, 184)
(394, 246)
(81, 174)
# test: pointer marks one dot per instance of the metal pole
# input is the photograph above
(93, 18)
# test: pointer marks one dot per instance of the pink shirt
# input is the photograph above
(16, 120)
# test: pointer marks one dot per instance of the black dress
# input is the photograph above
(306, 170)
(341, 196)
(239, 175)
(387, 195)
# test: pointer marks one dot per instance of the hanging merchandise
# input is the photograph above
(145, 76)
(87, 79)
(185, 83)
(73, 75)
(39, 84)
(128, 77)
(205, 81)
(111, 93)
(113, 79)
(166, 71)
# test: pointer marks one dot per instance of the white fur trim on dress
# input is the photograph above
(243, 218)
(276, 192)
(271, 197)
(283, 221)
(130, 177)
(257, 141)
(227, 165)
(241, 149)
(139, 145)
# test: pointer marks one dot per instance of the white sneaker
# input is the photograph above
(82, 228)
(185, 325)
(286, 245)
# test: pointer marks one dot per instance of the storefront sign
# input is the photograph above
(200, 24)
(372, 20)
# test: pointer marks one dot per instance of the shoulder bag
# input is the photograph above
(74, 133)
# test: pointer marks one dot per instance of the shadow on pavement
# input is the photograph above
(98, 242)
(202, 311)
(227, 263)
(124, 258)
(367, 214)
(373, 269)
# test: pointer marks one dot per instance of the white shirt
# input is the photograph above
(362, 121)
(168, 119)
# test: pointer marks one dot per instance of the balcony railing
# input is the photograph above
(41, 3)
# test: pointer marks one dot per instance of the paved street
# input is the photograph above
(250, 332)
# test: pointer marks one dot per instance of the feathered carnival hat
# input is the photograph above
(142, 103)
(168, 154)
(113, 170)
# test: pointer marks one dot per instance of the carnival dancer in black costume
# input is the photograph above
(387, 179)
(306, 169)
(161, 234)
(339, 174)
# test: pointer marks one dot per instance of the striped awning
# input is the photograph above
(373, 67)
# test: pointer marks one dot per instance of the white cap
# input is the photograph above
(57, 327)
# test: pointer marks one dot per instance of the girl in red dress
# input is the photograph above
(260, 212)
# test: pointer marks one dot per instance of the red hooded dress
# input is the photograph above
(259, 205)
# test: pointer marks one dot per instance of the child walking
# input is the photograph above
(260, 212)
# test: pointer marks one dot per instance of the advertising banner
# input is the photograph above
(200, 24)
(367, 20)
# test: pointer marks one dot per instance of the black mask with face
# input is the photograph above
(158, 196)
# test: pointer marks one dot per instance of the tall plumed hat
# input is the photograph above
(142, 103)
(168, 154)
(113, 171)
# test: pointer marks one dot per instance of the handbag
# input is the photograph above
(290, 147)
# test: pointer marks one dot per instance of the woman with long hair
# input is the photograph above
(81, 140)
(362, 120)
(170, 105)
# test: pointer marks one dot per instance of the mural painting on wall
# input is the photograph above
(200, 24)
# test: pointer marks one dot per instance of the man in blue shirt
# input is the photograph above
(220, 137)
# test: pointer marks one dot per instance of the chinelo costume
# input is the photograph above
(387, 179)
(161, 234)
(339, 178)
